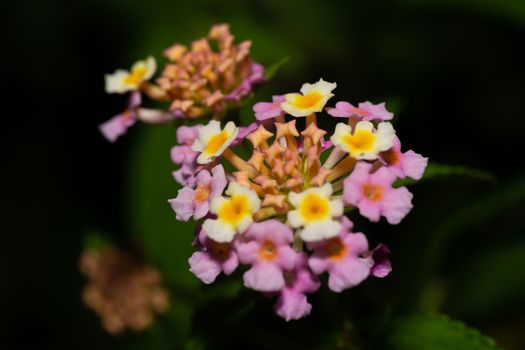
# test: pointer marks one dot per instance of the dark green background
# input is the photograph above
(451, 70)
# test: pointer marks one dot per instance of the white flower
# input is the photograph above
(212, 141)
(315, 212)
(364, 142)
(312, 99)
(234, 214)
(122, 80)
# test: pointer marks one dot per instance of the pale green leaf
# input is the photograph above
(437, 170)
(431, 331)
(274, 68)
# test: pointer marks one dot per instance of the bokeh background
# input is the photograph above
(451, 70)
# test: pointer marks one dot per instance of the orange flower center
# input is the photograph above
(268, 251)
(373, 192)
(201, 193)
(335, 249)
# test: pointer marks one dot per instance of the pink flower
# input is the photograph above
(119, 124)
(341, 257)
(186, 135)
(374, 195)
(365, 111)
(409, 164)
(269, 253)
(268, 110)
(183, 155)
(380, 261)
(292, 303)
(185, 175)
(213, 259)
(196, 202)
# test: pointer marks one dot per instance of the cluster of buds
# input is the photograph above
(282, 211)
(210, 77)
(123, 292)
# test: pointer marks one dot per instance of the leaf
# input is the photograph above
(436, 170)
(431, 331)
(274, 68)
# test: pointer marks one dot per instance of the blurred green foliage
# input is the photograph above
(435, 332)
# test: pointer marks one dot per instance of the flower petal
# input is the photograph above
(264, 278)
(204, 267)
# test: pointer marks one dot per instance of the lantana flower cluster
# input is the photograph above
(211, 76)
(282, 211)
(122, 291)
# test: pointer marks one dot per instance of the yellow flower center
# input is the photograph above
(234, 210)
(307, 101)
(268, 251)
(314, 207)
(201, 193)
(373, 192)
(216, 142)
(136, 76)
(335, 249)
(360, 141)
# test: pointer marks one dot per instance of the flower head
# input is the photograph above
(122, 80)
(122, 291)
(207, 79)
(283, 212)
(211, 76)
(312, 99)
